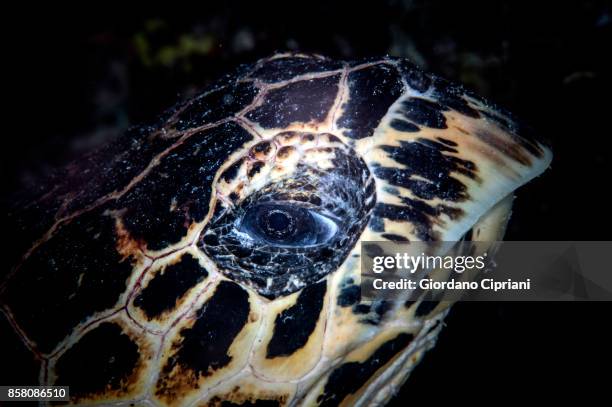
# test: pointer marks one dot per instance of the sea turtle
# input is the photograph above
(213, 257)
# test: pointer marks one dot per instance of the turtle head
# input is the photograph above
(215, 256)
(431, 163)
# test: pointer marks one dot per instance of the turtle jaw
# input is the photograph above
(418, 322)
(390, 381)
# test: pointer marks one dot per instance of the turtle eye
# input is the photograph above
(287, 225)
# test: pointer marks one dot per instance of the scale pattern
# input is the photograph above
(128, 284)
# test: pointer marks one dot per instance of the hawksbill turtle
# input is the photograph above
(212, 258)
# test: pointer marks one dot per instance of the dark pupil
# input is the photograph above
(279, 223)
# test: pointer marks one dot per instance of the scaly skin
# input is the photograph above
(134, 279)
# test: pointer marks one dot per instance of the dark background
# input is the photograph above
(78, 78)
